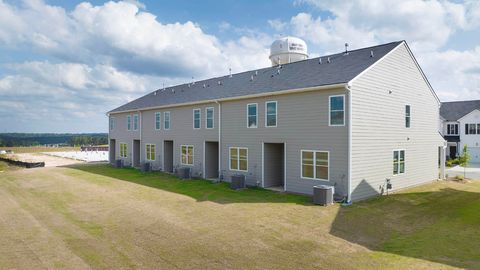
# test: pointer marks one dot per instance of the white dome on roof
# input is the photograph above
(287, 50)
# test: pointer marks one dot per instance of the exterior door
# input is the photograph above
(453, 152)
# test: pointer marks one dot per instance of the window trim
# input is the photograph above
(454, 125)
(314, 164)
(120, 150)
(213, 117)
(276, 113)
(193, 154)
(146, 151)
(159, 120)
(169, 120)
(238, 161)
(129, 122)
(409, 116)
(256, 115)
(467, 128)
(330, 111)
(112, 123)
(138, 121)
(199, 118)
(404, 161)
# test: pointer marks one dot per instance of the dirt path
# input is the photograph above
(50, 161)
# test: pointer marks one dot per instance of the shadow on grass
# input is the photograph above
(198, 189)
(440, 226)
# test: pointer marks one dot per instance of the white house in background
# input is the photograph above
(461, 126)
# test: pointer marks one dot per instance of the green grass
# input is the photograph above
(3, 166)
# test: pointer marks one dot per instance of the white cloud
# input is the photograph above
(277, 24)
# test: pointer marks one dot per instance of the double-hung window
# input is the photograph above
(471, 129)
(123, 150)
(452, 129)
(187, 155)
(112, 123)
(271, 114)
(150, 152)
(398, 162)
(407, 116)
(209, 117)
(135, 122)
(196, 118)
(129, 122)
(238, 159)
(315, 164)
(157, 120)
(166, 120)
(337, 110)
(252, 115)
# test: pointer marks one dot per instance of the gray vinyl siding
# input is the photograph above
(121, 135)
(302, 123)
(379, 97)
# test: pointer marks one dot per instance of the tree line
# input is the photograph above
(36, 139)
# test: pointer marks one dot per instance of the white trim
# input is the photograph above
(256, 115)
(460, 119)
(169, 120)
(203, 162)
(349, 179)
(273, 93)
(329, 111)
(284, 166)
(146, 156)
(276, 112)
(314, 164)
(404, 161)
(263, 164)
(193, 154)
(160, 120)
(206, 118)
(238, 158)
(199, 118)
(112, 123)
(451, 124)
(219, 139)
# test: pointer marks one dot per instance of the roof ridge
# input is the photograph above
(459, 101)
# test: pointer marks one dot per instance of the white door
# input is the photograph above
(474, 153)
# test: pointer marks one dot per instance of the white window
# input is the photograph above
(135, 122)
(452, 129)
(407, 116)
(238, 159)
(150, 152)
(336, 115)
(187, 155)
(315, 164)
(271, 114)
(123, 150)
(398, 162)
(166, 120)
(157, 120)
(471, 129)
(252, 115)
(196, 118)
(112, 123)
(129, 122)
(209, 117)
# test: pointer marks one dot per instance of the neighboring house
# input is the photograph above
(461, 126)
(352, 120)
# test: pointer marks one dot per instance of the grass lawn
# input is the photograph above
(95, 216)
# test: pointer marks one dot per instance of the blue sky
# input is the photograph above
(63, 64)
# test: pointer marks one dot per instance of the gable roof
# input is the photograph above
(297, 75)
(454, 110)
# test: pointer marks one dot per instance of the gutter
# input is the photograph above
(282, 92)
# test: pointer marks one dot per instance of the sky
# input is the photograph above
(64, 64)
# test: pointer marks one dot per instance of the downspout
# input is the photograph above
(349, 181)
(219, 140)
(140, 128)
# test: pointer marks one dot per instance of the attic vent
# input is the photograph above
(320, 60)
(188, 85)
(219, 82)
(328, 60)
(173, 90)
(155, 93)
(371, 53)
(256, 72)
(251, 78)
(204, 85)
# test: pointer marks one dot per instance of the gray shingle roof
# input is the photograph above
(307, 73)
(454, 110)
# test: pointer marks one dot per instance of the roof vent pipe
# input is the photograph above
(251, 78)
(328, 59)
(230, 72)
(371, 53)
(320, 60)
(346, 48)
